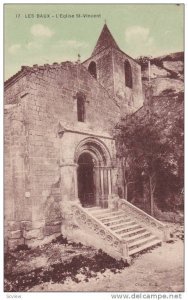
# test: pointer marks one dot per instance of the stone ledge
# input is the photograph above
(53, 223)
(38, 224)
(35, 242)
(16, 234)
(33, 234)
(51, 229)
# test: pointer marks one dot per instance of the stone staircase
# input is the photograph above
(135, 235)
(120, 230)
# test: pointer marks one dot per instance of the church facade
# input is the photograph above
(59, 146)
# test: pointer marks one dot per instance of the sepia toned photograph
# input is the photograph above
(93, 148)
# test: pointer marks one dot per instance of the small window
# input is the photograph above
(81, 108)
(93, 69)
(128, 74)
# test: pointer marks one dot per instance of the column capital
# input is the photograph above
(104, 167)
(97, 167)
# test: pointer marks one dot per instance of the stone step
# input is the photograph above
(128, 228)
(116, 222)
(98, 210)
(93, 208)
(145, 246)
(141, 242)
(109, 218)
(123, 225)
(100, 214)
(138, 236)
(133, 232)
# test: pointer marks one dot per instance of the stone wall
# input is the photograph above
(17, 204)
(110, 74)
(130, 99)
(104, 66)
(46, 97)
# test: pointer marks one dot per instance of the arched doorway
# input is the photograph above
(94, 183)
(85, 174)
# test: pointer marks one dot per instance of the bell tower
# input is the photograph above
(117, 72)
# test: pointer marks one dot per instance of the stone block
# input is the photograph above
(38, 224)
(51, 229)
(27, 194)
(32, 234)
(27, 225)
(16, 234)
(31, 243)
(56, 191)
(5, 245)
(13, 225)
(13, 243)
(59, 222)
(6, 231)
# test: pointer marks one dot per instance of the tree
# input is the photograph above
(148, 157)
(128, 176)
(143, 61)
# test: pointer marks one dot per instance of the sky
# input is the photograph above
(44, 33)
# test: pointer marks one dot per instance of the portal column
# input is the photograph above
(97, 184)
(109, 182)
(106, 191)
(102, 185)
(76, 181)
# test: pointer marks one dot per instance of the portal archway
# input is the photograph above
(93, 172)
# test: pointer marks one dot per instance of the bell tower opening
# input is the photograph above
(128, 74)
(93, 69)
(86, 188)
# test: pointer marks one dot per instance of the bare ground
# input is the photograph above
(73, 267)
(159, 270)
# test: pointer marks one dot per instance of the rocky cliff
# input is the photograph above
(166, 73)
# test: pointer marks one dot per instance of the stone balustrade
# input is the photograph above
(147, 221)
(109, 241)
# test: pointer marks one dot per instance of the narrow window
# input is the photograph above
(128, 74)
(81, 108)
(93, 69)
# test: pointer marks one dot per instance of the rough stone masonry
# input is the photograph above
(56, 117)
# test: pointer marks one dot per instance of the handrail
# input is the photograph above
(142, 212)
(156, 226)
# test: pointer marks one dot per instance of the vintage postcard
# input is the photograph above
(94, 148)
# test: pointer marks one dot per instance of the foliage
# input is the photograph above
(151, 161)
(143, 61)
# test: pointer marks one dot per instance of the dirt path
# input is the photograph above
(161, 269)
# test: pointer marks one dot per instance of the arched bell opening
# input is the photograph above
(93, 69)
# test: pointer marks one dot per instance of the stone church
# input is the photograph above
(61, 170)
